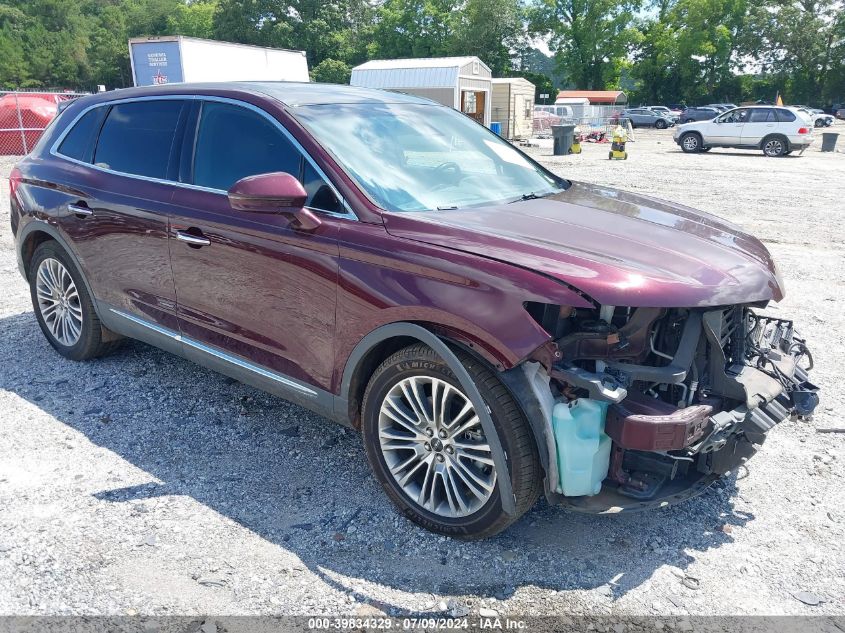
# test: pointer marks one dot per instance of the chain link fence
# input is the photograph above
(590, 119)
(25, 115)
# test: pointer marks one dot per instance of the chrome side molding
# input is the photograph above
(212, 351)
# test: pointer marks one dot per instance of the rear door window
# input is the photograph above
(137, 137)
(762, 115)
(785, 116)
(234, 142)
(79, 141)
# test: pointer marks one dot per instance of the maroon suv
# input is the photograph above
(391, 264)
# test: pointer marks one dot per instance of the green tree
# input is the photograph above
(492, 30)
(195, 19)
(413, 28)
(691, 52)
(590, 38)
(339, 29)
(331, 71)
(803, 42)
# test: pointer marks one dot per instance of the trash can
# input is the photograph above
(496, 128)
(564, 136)
(829, 141)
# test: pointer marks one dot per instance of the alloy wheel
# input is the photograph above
(434, 447)
(58, 301)
(773, 147)
(690, 143)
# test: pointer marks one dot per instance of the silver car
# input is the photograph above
(776, 130)
(646, 117)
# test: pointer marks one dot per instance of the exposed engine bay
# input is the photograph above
(690, 393)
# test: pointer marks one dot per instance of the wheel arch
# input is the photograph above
(36, 233)
(778, 135)
(28, 245)
(386, 339)
(380, 343)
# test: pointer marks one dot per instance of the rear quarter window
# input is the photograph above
(137, 137)
(79, 141)
(785, 116)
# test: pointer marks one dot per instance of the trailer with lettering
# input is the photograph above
(174, 59)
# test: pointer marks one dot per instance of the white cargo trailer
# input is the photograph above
(173, 59)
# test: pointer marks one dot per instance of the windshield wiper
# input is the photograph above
(529, 196)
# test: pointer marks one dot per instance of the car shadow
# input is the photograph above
(303, 484)
(719, 151)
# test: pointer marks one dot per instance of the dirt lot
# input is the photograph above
(141, 483)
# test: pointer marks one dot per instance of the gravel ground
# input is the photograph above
(143, 484)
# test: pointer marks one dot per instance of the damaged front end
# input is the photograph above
(685, 395)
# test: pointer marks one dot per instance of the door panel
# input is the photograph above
(117, 214)
(727, 129)
(760, 123)
(123, 246)
(260, 289)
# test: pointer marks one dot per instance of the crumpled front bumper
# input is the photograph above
(688, 449)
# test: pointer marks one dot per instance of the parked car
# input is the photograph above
(778, 131)
(817, 116)
(391, 264)
(723, 106)
(700, 113)
(644, 117)
(675, 115)
(840, 114)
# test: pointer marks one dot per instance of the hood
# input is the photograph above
(619, 248)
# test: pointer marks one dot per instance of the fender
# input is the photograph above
(419, 333)
(38, 225)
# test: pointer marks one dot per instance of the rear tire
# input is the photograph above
(691, 142)
(819, 122)
(411, 443)
(775, 146)
(63, 307)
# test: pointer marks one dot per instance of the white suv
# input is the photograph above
(776, 130)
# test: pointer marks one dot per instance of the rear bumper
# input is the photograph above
(801, 142)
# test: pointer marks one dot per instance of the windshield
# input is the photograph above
(413, 157)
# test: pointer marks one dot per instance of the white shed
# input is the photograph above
(463, 83)
(513, 106)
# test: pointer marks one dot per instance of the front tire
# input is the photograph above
(427, 448)
(691, 143)
(63, 307)
(660, 125)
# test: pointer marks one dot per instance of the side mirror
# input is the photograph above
(276, 192)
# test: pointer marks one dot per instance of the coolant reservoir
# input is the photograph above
(583, 450)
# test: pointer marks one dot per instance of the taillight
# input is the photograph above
(803, 130)
(14, 181)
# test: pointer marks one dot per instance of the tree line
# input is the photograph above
(660, 51)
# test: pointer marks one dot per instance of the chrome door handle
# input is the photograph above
(77, 209)
(192, 240)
